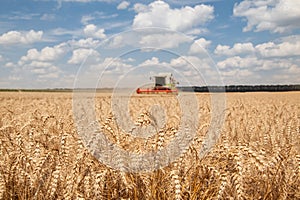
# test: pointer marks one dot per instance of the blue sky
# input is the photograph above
(112, 43)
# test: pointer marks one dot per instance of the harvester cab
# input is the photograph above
(163, 83)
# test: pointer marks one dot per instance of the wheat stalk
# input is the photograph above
(176, 181)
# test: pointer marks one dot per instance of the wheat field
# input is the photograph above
(257, 155)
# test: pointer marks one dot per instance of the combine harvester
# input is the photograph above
(164, 84)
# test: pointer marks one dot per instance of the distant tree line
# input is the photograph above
(241, 88)
(228, 88)
(37, 90)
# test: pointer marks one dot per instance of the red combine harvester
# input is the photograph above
(164, 84)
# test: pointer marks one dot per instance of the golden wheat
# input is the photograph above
(257, 155)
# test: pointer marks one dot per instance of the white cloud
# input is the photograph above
(16, 37)
(237, 73)
(109, 65)
(9, 65)
(138, 7)
(294, 69)
(284, 49)
(52, 75)
(197, 31)
(41, 69)
(154, 61)
(273, 15)
(239, 62)
(190, 63)
(1, 58)
(237, 49)
(93, 31)
(105, 72)
(159, 14)
(116, 42)
(180, 64)
(163, 40)
(123, 5)
(39, 64)
(199, 46)
(46, 54)
(259, 70)
(185, 68)
(285, 78)
(274, 64)
(254, 63)
(195, 70)
(62, 31)
(241, 76)
(84, 43)
(81, 55)
(222, 49)
(149, 39)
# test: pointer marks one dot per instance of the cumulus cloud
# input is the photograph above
(63, 31)
(283, 47)
(199, 46)
(294, 69)
(39, 64)
(49, 75)
(254, 63)
(123, 5)
(46, 54)
(138, 7)
(163, 40)
(116, 42)
(154, 61)
(270, 56)
(10, 65)
(259, 70)
(16, 37)
(159, 14)
(84, 43)
(277, 16)
(190, 63)
(113, 66)
(195, 70)
(41, 69)
(237, 49)
(239, 62)
(241, 76)
(93, 31)
(237, 73)
(81, 55)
